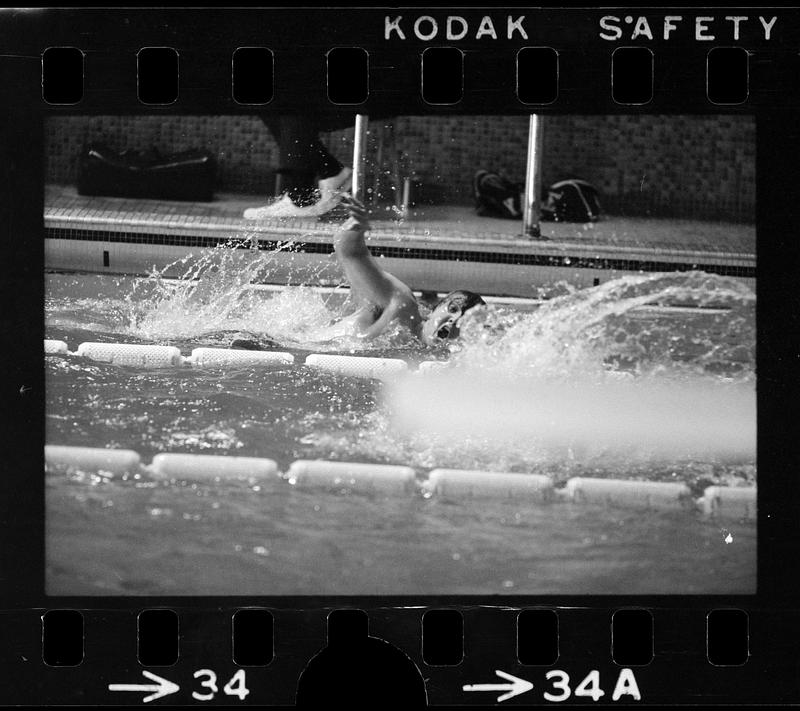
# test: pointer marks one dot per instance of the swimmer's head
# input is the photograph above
(442, 324)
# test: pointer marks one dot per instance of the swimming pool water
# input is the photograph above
(136, 539)
(134, 536)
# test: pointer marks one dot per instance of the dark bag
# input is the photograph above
(188, 175)
(495, 196)
(572, 200)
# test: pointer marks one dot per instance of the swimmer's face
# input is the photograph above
(443, 322)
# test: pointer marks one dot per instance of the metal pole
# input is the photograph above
(377, 172)
(406, 206)
(359, 156)
(533, 180)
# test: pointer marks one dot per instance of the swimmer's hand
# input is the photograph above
(358, 221)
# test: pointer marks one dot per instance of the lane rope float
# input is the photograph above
(205, 467)
(211, 357)
(154, 356)
(352, 476)
(470, 484)
(717, 502)
(145, 356)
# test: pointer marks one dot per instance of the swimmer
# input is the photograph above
(383, 299)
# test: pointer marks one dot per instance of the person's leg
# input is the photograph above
(325, 164)
(303, 160)
(308, 160)
(300, 147)
(334, 179)
(300, 137)
(273, 124)
(296, 137)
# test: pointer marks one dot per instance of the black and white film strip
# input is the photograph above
(442, 355)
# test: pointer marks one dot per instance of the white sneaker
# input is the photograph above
(283, 207)
(336, 184)
(286, 208)
(323, 205)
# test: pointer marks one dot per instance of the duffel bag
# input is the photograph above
(188, 175)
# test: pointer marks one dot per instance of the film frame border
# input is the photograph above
(773, 100)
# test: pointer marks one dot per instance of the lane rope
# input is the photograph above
(153, 356)
(717, 502)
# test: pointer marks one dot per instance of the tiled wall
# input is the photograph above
(680, 166)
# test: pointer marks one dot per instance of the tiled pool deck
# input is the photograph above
(436, 225)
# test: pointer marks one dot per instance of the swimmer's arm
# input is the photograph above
(367, 280)
(377, 288)
(379, 326)
(399, 309)
(369, 283)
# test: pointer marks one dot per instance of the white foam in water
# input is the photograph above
(582, 332)
(213, 294)
(428, 366)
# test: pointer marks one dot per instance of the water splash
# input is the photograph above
(213, 293)
(592, 331)
(594, 382)
(592, 379)
(213, 297)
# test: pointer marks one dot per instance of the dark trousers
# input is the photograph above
(302, 159)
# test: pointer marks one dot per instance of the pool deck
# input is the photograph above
(435, 248)
(435, 225)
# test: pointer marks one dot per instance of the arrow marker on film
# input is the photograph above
(162, 687)
(516, 687)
